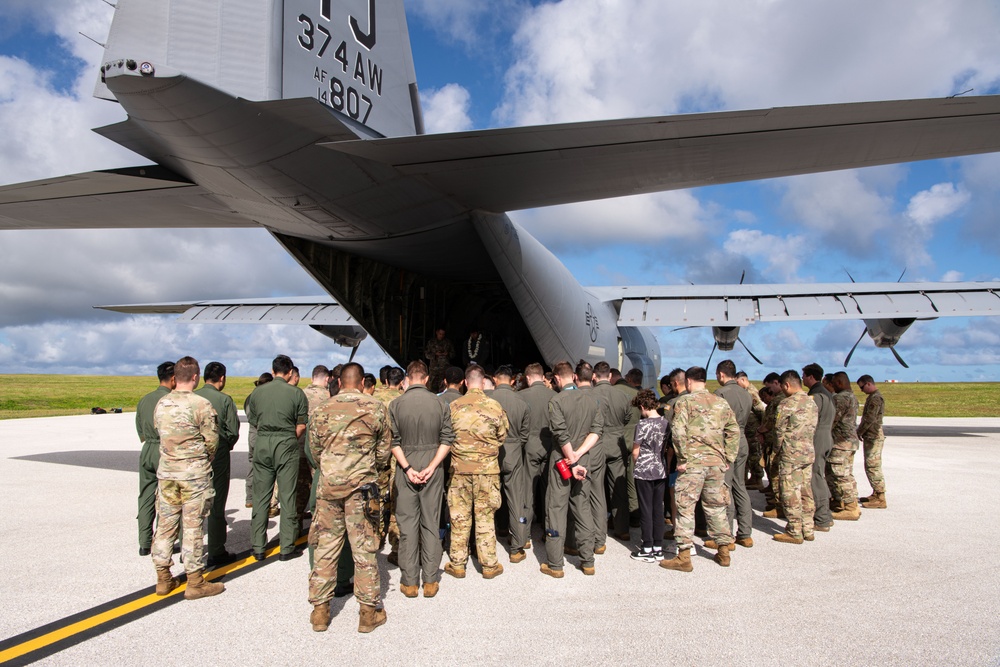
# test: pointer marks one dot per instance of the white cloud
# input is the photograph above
(784, 256)
(446, 109)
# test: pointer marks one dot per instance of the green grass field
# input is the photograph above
(54, 395)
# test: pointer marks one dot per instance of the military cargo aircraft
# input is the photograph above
(303, 117)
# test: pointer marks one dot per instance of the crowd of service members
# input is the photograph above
(422, 463)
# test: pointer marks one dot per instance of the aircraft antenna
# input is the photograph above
(92, 39)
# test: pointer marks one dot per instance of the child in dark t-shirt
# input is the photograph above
(650, 475)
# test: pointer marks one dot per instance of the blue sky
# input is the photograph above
(512, 62)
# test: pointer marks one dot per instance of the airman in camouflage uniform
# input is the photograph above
(481, 427)
(706, 438)
(438, 352)
(387, 479)
(349, 438)
(770, 447)
(796, 429)
(840, 463)
(316, 393)
(189, 436)
(229, 434)
(870, 432)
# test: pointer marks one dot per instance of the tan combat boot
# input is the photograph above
(836, 505)
(774, 513)
(431, 588)
(164, 581)
(746, 542)
(876, 501)
(849, 513)
(711, 544)
(492, 572)
(722, 556)
(457, 571)
(320, 617)
(681, 562)
(409, 591)
(787, 539)
(551, 571)
(197, 587)
(517, 556)
(370, 618)
(601, 550)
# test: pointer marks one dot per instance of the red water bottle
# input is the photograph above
(562, 465)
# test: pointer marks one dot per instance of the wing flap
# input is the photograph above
(742, 305)
(312, 310)
(515, 168)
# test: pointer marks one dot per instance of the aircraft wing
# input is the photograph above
(742, 305)
(318, 311)
(135, 197)
(526, 167)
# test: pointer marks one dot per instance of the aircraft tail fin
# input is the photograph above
(353, 56)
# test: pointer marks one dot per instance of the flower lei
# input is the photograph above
(468, 347)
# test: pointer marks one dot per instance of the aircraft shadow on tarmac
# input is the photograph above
(122, 461)
(917, 431)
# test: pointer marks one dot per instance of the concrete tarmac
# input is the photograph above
(918, 583)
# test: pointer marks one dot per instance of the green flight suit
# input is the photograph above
(421, 423)
(149, 461)
(617, 409)
(275, 409)
(229, 434)
(633, 500)
(538, 447)
(573, 415)
(513, 473)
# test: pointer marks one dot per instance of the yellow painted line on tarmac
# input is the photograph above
(71, 632)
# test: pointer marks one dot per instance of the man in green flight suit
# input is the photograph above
(279, 412)
(149, 457)
(229, 434)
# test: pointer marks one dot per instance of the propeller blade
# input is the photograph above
(849, 275)
(354, 350)
(709, 362)
(682, 329)
(900, 278)
(898, 358)
(740, 341)
(851, 353)
(742, 276)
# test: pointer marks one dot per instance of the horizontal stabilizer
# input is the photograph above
(136, 197)
(742, 305)
(517, 168)
(316, 311)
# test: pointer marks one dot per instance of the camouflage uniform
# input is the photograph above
(796, 428)
(770, 449)
(438, 354)
(149, 460)
(305, 497)
(387, 484)
(840, 463)
(229, 434)
(870, 432)
(706, 438)
(189, 436)
(755, 467)
(349, 438)
(480, 426)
